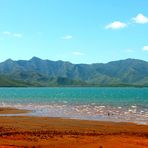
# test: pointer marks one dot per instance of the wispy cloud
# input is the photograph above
(140, 19)
(7, 33)
(77, 53)
(145, 48)
(18, 35)
(67, 37)
(129, 50)
(116, 25)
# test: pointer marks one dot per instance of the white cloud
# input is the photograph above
(140, 19)
(145, 48)
(116, 25)
(7, 33)
(18, 35)
(129, 50)
(77, 53)
(67, 37)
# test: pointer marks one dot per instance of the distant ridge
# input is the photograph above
(38, 72)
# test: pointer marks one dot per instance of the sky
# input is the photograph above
(79, 31)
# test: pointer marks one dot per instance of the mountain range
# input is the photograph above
(38, 72)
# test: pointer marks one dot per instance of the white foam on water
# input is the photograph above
(85, 111)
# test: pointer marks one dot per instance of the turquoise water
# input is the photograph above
(118, 104)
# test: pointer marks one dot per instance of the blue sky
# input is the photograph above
(79, 31)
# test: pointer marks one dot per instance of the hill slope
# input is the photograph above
(38, 72)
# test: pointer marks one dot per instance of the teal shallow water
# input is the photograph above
(117, 104)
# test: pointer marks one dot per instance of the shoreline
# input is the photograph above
(14, 111)
(29, 131)
(11, 110)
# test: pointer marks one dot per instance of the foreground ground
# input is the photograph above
(66, 133)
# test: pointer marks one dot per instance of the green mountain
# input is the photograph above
(38, 72)
(7, 82)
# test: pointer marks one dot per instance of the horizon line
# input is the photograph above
(69, 61)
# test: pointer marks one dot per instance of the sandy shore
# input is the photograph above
(20, 131)
(8, 110)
